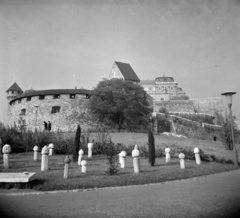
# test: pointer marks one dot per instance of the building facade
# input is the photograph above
(64, 109)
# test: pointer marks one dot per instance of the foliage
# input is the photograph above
(225, 134)
(163, 123)
(76, 144)
(151, 148)
(120, 103)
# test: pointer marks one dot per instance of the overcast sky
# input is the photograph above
(63, 44)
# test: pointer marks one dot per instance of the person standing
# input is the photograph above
(45, 125)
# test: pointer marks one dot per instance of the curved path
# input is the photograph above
(211, 196)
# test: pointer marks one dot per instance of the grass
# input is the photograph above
(96, 176)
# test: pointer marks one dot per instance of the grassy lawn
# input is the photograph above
(97, 166)
(96, 177)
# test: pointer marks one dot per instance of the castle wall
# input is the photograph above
(174, 106)
(72, 112)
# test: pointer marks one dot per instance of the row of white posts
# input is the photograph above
(48, 150)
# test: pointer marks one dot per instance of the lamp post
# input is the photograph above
(36, 118)
(229, 103)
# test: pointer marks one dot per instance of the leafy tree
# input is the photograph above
(151, 148)
(120, 103)
(76, 144)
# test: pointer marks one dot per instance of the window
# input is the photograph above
(72, 95)
(29, 98)
(87, 96)
(55, 109)
(56, 96)
(41, 97)
(19, 101)
(23, 112)
(12, 92)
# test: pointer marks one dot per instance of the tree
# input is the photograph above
(225, 134)
(118, 102)
(76, 144)
(151, 148)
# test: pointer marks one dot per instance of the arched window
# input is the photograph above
(55, 109)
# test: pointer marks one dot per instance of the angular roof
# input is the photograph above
(15, 87)
(127, 71)
(53, 92)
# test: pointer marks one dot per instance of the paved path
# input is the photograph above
(211, 196)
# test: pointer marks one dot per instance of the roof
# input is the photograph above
(14, 87)
(147, 82)
(53, 92)
(127, 71)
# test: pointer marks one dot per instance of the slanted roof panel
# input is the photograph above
(15, 87)
(127, 71)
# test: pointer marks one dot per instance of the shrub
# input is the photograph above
(76, 144)
(151, 148)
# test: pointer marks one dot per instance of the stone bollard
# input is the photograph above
(67, 161)
(182, 161)
(6, 151)
(35, 150)
(51, 147)
(197, 156)
(90, 147)
(44, 164)
(84, 166)
(122, 157)
(168, 156)
(136, 160)
(80, 154)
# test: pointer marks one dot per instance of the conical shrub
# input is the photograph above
(77, 146)
(151, 148)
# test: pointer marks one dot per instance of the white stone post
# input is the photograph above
(35, 150)
(6, 151)
(51, 147)
(84, 166)
(90, 147)
(67, 160)
(44, 163)
(197, 156)
(136, 160)
(122, 157)
(182, 161)
(80, 155)
(168, 156)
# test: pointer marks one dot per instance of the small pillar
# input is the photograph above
(136, 160)
(67, 160)
(122, 159)
(168, 156)
(51, 147)
(182, 161)
(44, 163)
(80, 155)
(84, 166)
(90, 147)
(197, 156)
(6, 151)
(35, 150)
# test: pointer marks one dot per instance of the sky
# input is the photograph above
(59, 44)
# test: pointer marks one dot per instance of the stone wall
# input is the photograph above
(175, 106)
(73, 111)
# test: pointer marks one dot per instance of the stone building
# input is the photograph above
(63, 108)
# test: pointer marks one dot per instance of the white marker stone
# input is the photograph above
(168, 156)
(90, 147)
(182, 161)
(122, 157)
(44, 163)
(6, 151)
(67, 160)
(80, 155)
(51, 147)
(136, 160)
(197, 156)
(35, 150)
(84, 166)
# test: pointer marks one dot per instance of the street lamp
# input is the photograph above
(229, 103)
(36, 118)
